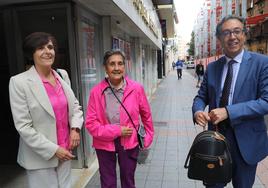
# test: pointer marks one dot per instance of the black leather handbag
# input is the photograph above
(209, 158)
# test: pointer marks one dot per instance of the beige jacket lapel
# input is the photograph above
(36, 85)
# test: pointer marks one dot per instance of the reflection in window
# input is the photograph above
(87, 60)
(125, 47)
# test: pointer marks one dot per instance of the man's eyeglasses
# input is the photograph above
(235, 32)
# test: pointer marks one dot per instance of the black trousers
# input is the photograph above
(179, 73)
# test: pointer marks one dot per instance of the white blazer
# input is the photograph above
(35, 121)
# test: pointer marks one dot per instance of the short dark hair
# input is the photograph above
(230, 17)
(113, 52)
(34, 41)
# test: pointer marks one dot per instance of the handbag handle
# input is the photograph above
(110, 87)
(187, 158)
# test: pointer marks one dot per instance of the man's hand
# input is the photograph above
(74, 139)
(201, 118)
(126, 131)
(64, 154)
(217, 115)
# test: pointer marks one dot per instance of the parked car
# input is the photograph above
(190, 65)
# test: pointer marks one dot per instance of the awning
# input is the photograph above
(256, 19)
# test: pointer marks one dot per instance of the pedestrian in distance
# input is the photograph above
(114, 134)
(46, 115)
(179, 66)
(199, 70)
(235, 87)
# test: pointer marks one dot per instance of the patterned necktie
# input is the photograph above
(227, 85)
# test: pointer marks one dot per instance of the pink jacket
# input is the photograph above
(104, 134)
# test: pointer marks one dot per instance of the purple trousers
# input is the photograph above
(127, 160)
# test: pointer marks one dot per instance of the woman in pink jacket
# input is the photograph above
(114, 135)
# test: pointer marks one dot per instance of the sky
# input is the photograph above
(187, 12)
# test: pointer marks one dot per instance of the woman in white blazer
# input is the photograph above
(46, 115)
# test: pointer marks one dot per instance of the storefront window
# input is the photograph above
(88, 61)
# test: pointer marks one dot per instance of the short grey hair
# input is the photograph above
(113, 52)
(230, 17)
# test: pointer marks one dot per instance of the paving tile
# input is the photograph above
(171, 177)
(170, 184)
(140, 183)
(153, 184)
(155, 176)
(140, 176)
(186, 184)
(157, 169)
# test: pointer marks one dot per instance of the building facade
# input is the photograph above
(208, 48)
(257, 20)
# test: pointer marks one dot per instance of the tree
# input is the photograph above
(191, 45)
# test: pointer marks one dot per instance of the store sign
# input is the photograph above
(143, 12)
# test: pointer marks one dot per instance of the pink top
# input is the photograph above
(104, 132)
(60, 107)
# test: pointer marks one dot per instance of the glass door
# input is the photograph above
(90, 67)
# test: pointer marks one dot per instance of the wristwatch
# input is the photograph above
(76, 129)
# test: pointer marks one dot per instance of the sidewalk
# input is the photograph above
(174, 133)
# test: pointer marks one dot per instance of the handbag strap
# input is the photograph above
(121, 103)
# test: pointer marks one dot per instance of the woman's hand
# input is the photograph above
(63, 154)
(126, 131)
(74, 139)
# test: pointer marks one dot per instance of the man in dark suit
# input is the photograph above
(235, 88)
